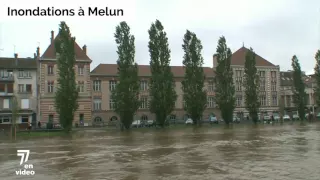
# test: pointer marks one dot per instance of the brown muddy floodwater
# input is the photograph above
(279, 152)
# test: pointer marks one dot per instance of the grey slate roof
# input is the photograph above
(17, 63)
(287, 80)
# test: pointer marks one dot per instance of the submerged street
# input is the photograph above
(277, 152)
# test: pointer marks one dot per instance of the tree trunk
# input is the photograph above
(11, 132)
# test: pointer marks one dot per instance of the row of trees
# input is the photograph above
(162, 92)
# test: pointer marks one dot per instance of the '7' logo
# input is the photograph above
(24, 155)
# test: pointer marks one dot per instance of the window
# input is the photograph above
(262, 74)
(238, 86)
(28, 88)
(97, 104)
(96, 85)
(273, 74)
(10, 88)
(27, 74)
(263, 100)
(6, 103)
(81, 86)
(172, 117)
(80, 70)
(239, 101)
(210, 102)
(2, 87)
(238, 73)
(273, 86)
(274, 99)
(50, 119)
(97, 119)
(144, 102)
(112, 85)
(112, 104)
(24, 103)
(143, 85)
(262, 85)
(10, 73)
(21, 87)
(50, 69)
(210, 87)
(6, 119)
(50, 86)
(20, 73)
(81, 117)
(5, 74)
(24, 119)
(144, 117)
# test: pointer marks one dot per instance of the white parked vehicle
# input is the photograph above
(266, 118)
(295, 117)
(189, 121)
(236, 119)
(137, 123)
(213, 119)
(276, 117)
(286, 118)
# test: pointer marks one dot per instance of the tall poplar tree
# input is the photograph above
(317, 79)
(162, 89)
(126, 93)
(66, 94)
(299, 94)
(251, 84)
(225, 90)
(195, 96)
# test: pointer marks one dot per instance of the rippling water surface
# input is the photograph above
(284, 152)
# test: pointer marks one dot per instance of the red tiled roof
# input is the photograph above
(143, 70)
(239, 58)
(51, 54)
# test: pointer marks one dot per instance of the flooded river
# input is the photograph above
(280, 152)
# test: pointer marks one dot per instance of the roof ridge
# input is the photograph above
(238, 58)
(80, 53)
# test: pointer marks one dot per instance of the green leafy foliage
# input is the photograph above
(317, 79)
(224, 82)
(162, 89)
(66, 94)
(195, 96)
(299, 94)
(126, 93)
(251, 84)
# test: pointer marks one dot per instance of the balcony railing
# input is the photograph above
(6, 94)
(8, 78)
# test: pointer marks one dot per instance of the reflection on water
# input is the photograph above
(284, 152)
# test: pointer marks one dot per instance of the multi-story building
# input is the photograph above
(47, 69)
(104, 79)
(287, 92)
(269, 83)
(18, 78)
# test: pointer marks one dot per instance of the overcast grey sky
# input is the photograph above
(276, 29)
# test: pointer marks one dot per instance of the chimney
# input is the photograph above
(16, 59)
(215, 61)
(84, 48)
(52, 37)
(38, 52)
